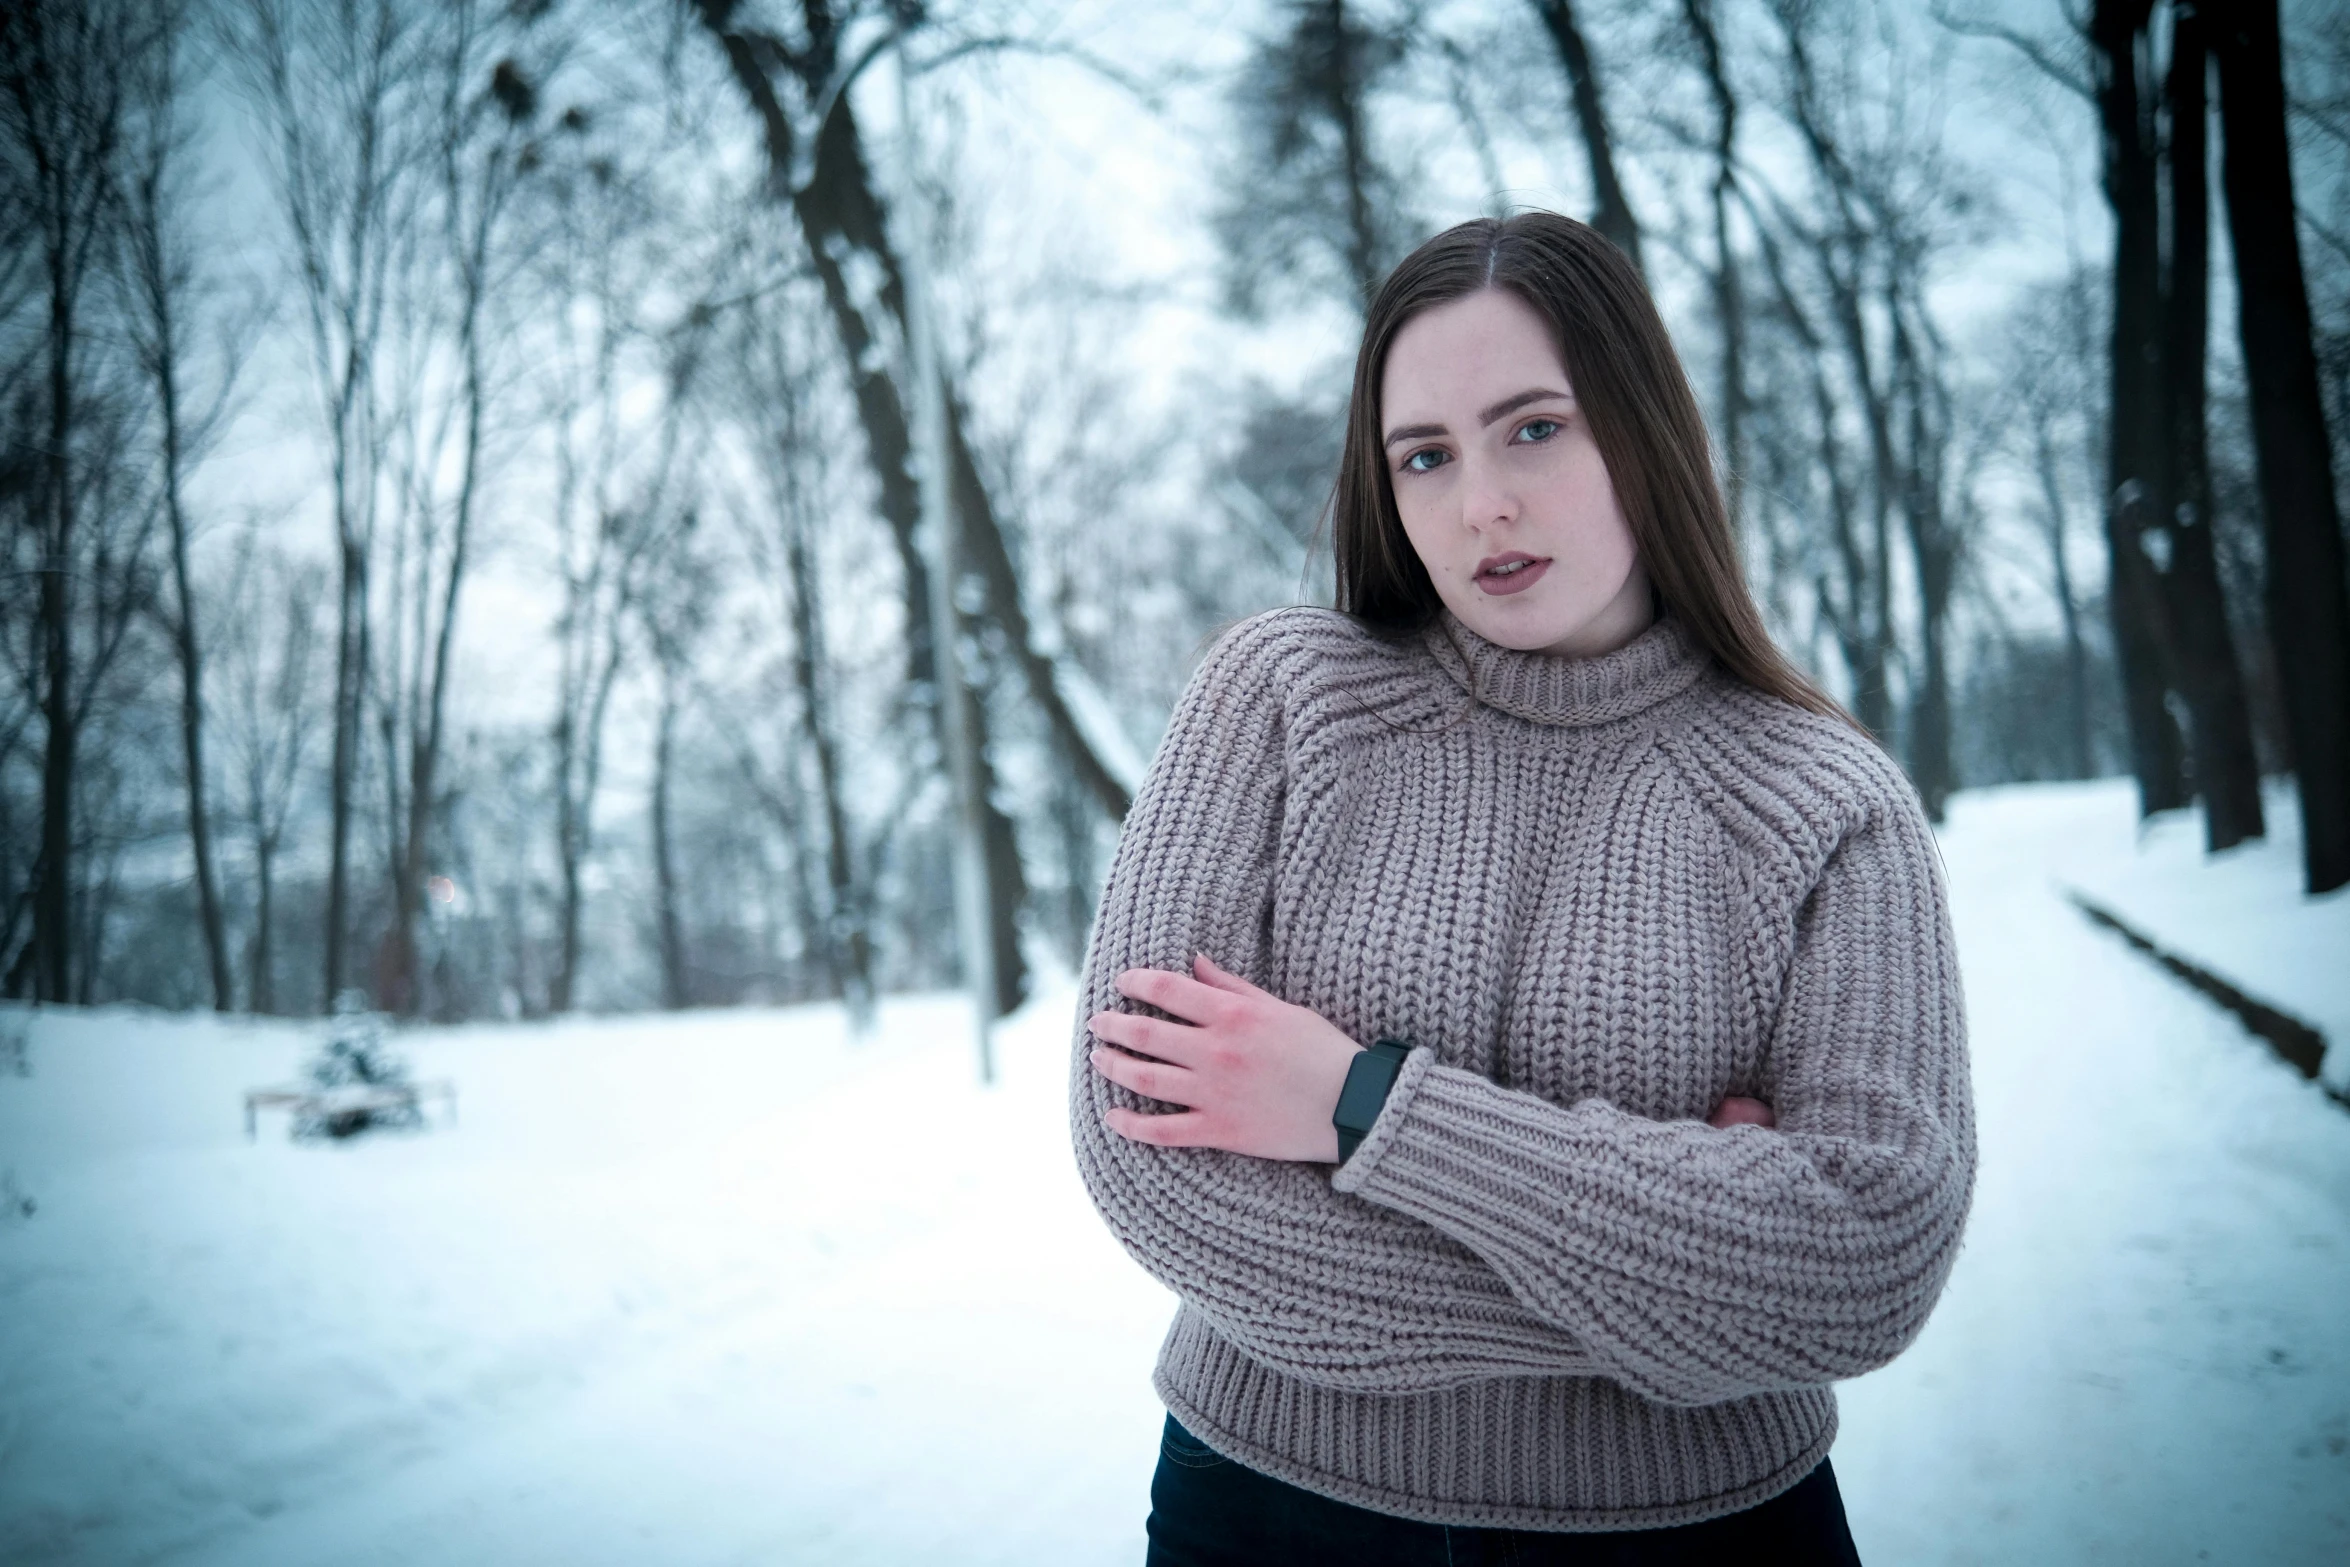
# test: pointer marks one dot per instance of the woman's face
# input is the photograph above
(1501, 488)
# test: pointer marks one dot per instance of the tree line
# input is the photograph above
(462, 494)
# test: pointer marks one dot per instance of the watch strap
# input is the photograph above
(1370, 1078)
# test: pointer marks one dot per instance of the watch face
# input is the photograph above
(1368, 1079)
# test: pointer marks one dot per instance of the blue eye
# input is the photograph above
(1534, 430)
(1436, 458)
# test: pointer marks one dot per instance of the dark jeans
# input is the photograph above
(1207, 1511)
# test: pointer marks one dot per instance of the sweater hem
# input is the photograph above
(1491, 1515)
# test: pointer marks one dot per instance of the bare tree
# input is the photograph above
(2165, 596)
(2170, 619)
(1843, 249)
(62, 111)
(329, 83)
(1806, 461)
(816, 160)
(1612, 214)
(484, 130)
(163, 276)
(1311, 202)
(265, 692)
(612, 517)
(681, 583)
(1941, 459)
(2049, 370)
(779, 382)
(1850, 267)
(2226, 769)
(2132, 186)
(1314, 212)
(1728, 293)
(2308, 604)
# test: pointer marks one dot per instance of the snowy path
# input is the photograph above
(2144, 1353)
(730, 1290)
(661, 1298)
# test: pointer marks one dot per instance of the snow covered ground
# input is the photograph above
(733, 1288)
(2240, 914)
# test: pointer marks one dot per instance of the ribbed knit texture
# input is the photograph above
(1601, 895)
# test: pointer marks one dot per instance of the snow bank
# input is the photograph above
(2240, 914)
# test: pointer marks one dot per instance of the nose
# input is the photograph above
(1488, 499)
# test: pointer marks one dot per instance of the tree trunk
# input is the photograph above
(261, 991)
(1933, 552)
(65, 140)
(675, 994)
(2308, 604)
(2226, 770)
(426, 743)
(350, 684)
(158, 283)
(1729, 302)
(53, 902)
(569, 851)
(1613, 214)
(2136, 428)
(580, 756)
(2076, 651)
(847, 930)
(1849, 613)
(1344, 89)
(191, 678)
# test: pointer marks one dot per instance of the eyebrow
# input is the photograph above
(1486, 416)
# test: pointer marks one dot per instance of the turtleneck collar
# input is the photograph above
(1661, 662)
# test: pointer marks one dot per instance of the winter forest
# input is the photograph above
(464, 478)
(637, 552)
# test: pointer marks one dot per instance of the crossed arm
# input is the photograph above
(1250, 1073)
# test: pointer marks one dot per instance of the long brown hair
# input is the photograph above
(1632, 389)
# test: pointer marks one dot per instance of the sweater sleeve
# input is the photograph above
(1701, 1265)
(1317, 1285)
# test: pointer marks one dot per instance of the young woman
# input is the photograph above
(1664, 1123)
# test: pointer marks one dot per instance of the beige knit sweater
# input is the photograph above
(1601, 896)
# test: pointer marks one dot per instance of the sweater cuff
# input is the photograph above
(1452, 1151)
(1356, 1170)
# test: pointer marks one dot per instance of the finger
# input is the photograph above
(1211, 973)
(1187, 1130)
(1177, 995)
(1151, 1079)
(1176, 1042)
(1738, 1110)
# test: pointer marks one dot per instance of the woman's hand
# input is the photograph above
(1735, 1111)
(1255, 1074)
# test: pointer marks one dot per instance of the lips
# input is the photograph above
(1514, 572)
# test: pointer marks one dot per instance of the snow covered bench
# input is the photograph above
(342, 1110)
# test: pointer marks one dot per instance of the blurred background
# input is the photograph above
(474, 482)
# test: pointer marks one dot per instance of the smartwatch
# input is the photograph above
(1369, 1080)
